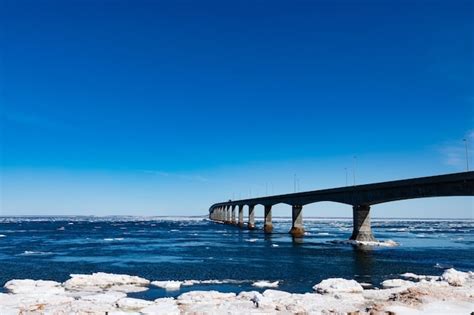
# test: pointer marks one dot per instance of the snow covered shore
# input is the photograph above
(101, 293)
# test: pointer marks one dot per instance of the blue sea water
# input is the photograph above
(194, 248)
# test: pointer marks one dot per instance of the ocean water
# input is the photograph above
(194, 248)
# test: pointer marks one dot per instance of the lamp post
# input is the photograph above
(294, 183)
(467, 154)
(354, 166)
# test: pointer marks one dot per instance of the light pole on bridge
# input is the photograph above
(467, 154)
(354, 169)
(294, 183)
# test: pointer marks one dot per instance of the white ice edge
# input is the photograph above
(102, 292)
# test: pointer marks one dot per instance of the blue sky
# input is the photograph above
(165, 107)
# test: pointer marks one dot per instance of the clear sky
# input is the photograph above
(165, 107)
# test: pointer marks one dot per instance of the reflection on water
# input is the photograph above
(363, 263)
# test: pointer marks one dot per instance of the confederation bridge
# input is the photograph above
(360, 197)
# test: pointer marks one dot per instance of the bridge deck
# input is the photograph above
(361, 197)
(456, 184)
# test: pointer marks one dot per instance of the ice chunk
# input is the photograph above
(168, 285)
(265, 284)
(338, 285)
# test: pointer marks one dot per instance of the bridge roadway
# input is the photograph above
(360, 197)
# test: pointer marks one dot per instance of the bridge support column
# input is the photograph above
(297, 229)
(362, 230)
(251, 222)
(268, 226)
(227, 215)
(221, 214)
(241, 216)
(232, 219)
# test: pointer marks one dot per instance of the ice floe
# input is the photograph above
(34, 253)
(338, 285)
(32, 286)
(415, 277)
(452, 293)
(111, 239)
(168, 285)
(386, 243)
(396, 283)
(323, 234)
(105, 281)
(133, 304)
(265, 284)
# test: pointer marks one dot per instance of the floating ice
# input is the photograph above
(412, 276)
(105, 281)
(443, 266)
(168, 285)
(31, 286)
(338, 285)
(265, 284)
(34, 253)
(387, 243)
(396, 283)
(133, 304)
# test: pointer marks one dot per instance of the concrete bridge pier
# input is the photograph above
(227, 215)
(362, 230)
(267, 225)
(297, 229)
(222, 214)
(232, 220)
(251, 222)
(241, 216)
(219, 214)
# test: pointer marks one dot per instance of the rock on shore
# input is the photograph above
(100, 293)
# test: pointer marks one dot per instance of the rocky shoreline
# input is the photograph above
(102, 293)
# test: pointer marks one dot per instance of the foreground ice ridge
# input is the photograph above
(175, 285)
(102, 293)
